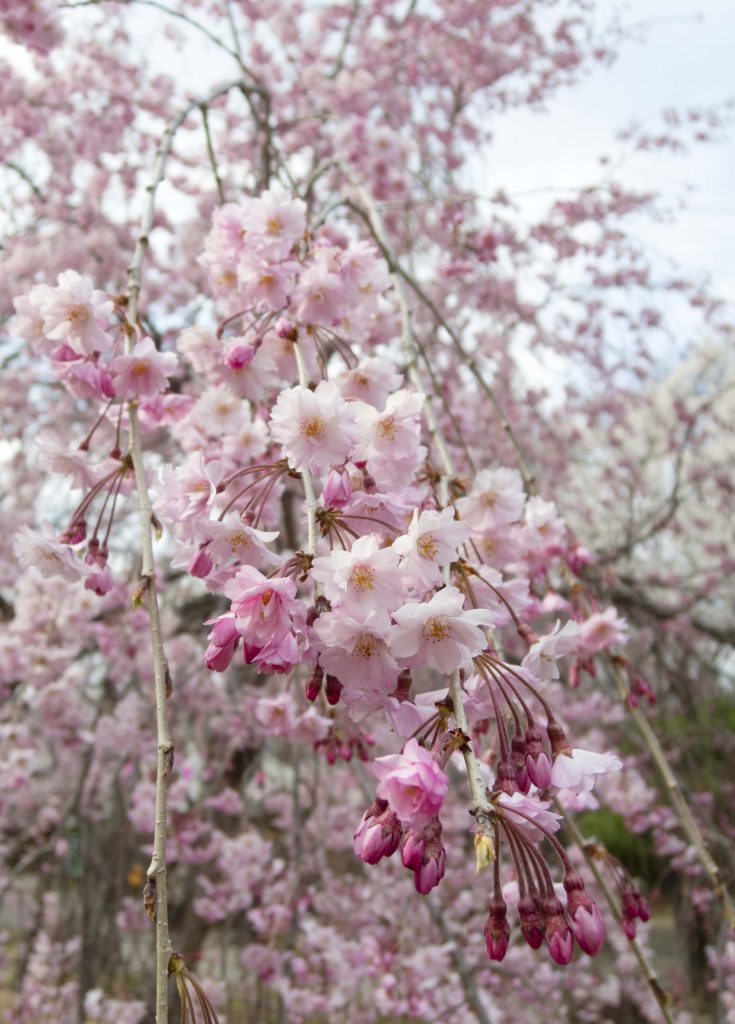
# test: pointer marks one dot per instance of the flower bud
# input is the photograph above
(497, 929)
(314, 683)
(337, 489)
(200, 564)
(239, 355)
(333, 690)
(378, 835)
(557, 933)
(412, 849)
(532, 925)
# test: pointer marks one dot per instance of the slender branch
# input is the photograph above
(210, 151)
(464, 970)
(676, 797)
(480, 806)
(164, 761)
(305, 474)
(661, 995)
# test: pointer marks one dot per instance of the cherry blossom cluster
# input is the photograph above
(392, 582)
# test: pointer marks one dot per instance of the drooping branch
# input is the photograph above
(156, 872)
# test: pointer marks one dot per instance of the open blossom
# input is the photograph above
(531, 807)
(496, 499)
(366, 576)
(576, 770)
(75, 312)
(394, 432)
(371, 381)
(272, 223)
(269, 617)
(321, 296)
(413, 783)
(144, 372)
(353, 646)
(239, 542)
(439, 633)
(601, 630)
(316, 429)
(46, 554)
(431, 542)
(541, 659)
(264, 285)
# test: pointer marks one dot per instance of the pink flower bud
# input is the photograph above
(74, 533)
(337, 489)
(558, 935)
(238, 355)
(378, 835)
(412, 849)
(532, 925)
(200, 564)
(431, 872)
(588, 926)
(497, 929)
(100, 582)
(314, 683)
(218, 658)
(333, 690)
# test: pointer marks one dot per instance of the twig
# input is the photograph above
(661, 995)
(305, 474)
(210, 151)
(480, 807)
(465, 972)
(157, 869)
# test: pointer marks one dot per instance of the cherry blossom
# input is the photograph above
(412, 783)
(440, 633)
(316, 429)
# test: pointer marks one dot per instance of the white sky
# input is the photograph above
(688, 60)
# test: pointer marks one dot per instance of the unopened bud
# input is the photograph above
(484, 851)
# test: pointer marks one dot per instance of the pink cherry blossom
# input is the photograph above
(144, 372)
(439, 633)
(601, 630)
(413, 784)
(45, 553)
(354, 647)
(577, 770)
(76, 313)
(496, 499)
(541, 660)
(432, 541)
(316, 429)
(366, 576)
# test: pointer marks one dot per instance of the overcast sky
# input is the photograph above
(688, 60)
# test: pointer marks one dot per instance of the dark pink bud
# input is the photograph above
(74, 533)
(539, 770)
(238, 355)
(107, 386)
(588, 926)
(505, 779)
(431, 872)
(314, 683)
(218, 658)
(532, 924)
(100, 582)
(558, 934)
(337, 489)
(333, 690)
(379, 833)
(497, 929)
(629, 928)
(200, 564)
(412, 849)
